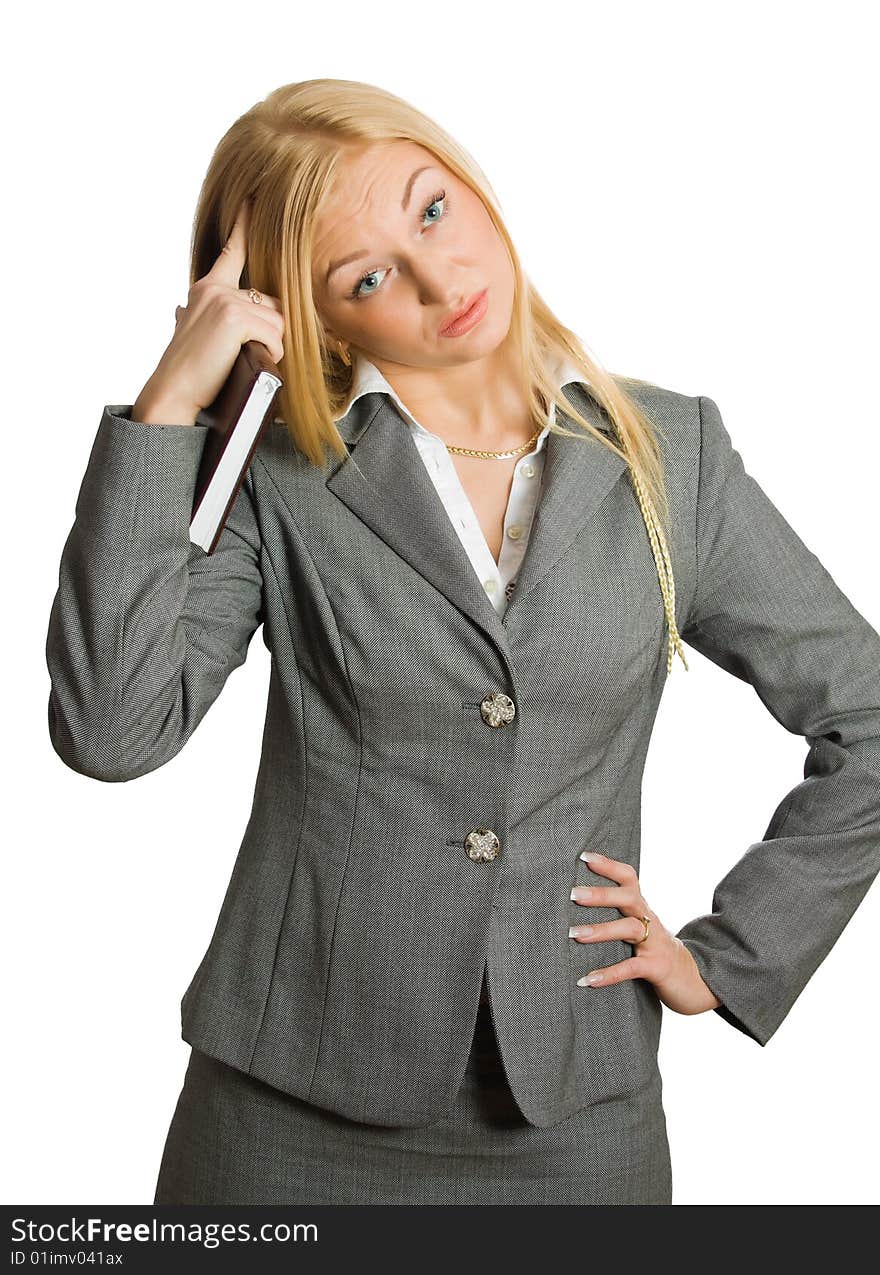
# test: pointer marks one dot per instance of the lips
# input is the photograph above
(462, 319)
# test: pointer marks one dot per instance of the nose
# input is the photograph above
(438, 284)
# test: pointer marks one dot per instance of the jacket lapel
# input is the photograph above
(578, 475)
(394, 496)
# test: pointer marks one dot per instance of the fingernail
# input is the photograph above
(587, 856)
(590, 980)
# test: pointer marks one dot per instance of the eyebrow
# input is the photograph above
(362, 252)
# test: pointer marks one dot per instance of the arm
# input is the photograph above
(767, 611)
(145, 626)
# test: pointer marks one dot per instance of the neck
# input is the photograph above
(477, 404)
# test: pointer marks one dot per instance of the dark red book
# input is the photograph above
(235, 421)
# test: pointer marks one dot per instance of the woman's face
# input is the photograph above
(420, 244)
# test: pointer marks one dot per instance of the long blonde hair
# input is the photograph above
(283, 154)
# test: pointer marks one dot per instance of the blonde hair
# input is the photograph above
(283, 154)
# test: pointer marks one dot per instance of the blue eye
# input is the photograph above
(356, 294)
(439, 198)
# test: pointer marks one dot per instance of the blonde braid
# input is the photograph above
(664, 569)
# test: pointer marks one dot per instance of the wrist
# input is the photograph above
(155, 408)
(710, 1000)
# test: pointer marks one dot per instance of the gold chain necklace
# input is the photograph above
(470, 451)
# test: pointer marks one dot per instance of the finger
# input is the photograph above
(266, 324)
(228, 267)
(271, 306)
(260, 329)
(633, 967)
(614, 869)
(629, 929)
(607, 896)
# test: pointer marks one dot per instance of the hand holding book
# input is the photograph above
(219, 367)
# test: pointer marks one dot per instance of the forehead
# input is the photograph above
(368, 181)
(369, 166)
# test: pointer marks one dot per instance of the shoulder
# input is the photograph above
(653, 397)
(674, 414)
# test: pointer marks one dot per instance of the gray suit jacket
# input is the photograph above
(346, 963)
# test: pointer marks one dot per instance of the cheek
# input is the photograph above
(394, 331)
(492, 255)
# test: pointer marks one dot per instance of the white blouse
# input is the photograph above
(498, 579)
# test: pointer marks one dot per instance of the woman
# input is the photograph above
(474, 554)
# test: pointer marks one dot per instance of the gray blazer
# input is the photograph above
(410, 825)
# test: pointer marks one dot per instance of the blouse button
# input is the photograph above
(515, 531)
(490, 585)
(528, 471)
(498, 709)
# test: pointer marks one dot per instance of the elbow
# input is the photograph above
(118, 733)
(94, 749)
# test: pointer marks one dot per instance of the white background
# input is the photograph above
(692, 189)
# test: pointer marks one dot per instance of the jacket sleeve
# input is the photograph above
(145, 626)
(767, 611)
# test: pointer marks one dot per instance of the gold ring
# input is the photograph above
(255, 296)
(646, 922)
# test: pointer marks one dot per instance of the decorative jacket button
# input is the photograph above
(482, 844)
(498, 709)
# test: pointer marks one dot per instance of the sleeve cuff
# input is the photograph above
(123, 412)
(742, 1017)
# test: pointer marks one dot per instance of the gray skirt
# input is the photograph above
(237, 1140)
